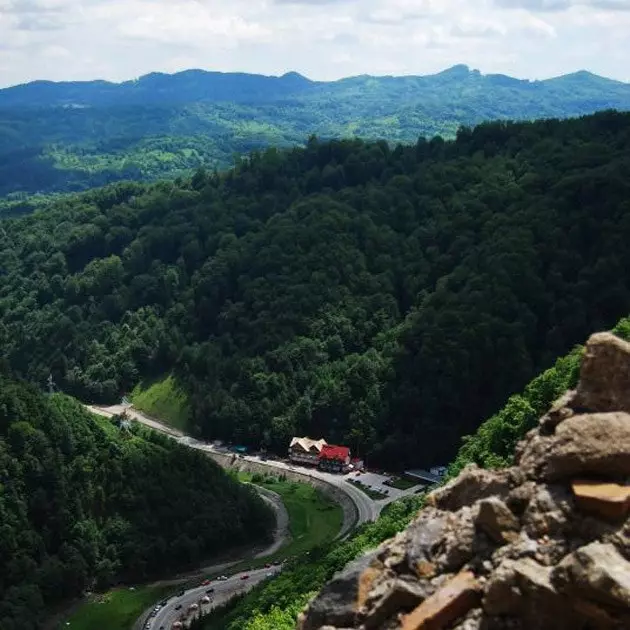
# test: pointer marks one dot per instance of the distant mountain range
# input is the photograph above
(74, 135)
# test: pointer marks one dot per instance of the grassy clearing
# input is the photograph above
(164, 400)
(314, 519)
(373, 494)
(401, 484)
(115, 610)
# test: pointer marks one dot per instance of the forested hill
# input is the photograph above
(86, 502)
(385, 298)
(59, 137)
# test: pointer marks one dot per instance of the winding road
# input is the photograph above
(219, 592)
(177, 608)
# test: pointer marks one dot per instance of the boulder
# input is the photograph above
(472, 484)
(452, 601)
(604, 375)
(548, 512)
(609, 501)
(597, 444)
(391, 597)
(597, 572)
(340, 600)
(497, 520)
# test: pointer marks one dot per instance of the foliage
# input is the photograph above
(275, 604)
(116, 610)
(492, 446)
(71, 136)
(85, 503)
(387, 299)
(164, 400)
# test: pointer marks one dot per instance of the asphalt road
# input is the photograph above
(176, 608)
(368, 509)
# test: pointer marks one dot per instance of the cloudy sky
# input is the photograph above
(323, 39)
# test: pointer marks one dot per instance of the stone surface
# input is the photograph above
(337, 603)
(597, 572)
(605, 374)
(497, 520)
(596, 444)
(543, 545)
(472, 484)
(610, 501)
(449, 603)
(392, 597)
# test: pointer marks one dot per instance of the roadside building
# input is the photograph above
(305, 450)
(423, 476)
(334, 458)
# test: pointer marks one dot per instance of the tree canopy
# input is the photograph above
(385, 298)
(88, 502)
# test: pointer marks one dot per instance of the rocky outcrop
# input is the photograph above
(543, 545)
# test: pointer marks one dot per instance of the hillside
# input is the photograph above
(85, 503)
(59, 137)
(386, 299)
(540, 545)
(276, 606)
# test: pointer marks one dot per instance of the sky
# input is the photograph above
(322, 39)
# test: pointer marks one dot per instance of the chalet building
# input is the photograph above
(334, 458)
(305, 450)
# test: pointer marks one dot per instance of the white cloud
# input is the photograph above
(324, 39)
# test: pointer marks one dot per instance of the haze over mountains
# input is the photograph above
(61, 137)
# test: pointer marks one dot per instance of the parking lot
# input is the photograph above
(376, 482)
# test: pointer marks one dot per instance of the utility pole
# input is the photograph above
(51, 384)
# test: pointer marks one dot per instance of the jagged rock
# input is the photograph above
(547, 545)
(449, 603)
(472, 484)
(607, 500)
(548, 512)
(518, 499)
(605, 374)
(442, 541)
(588, 444)
(339, 601)
(597, 572)
(501, 594)
(391, 597)
(497, 521)
(560, 411)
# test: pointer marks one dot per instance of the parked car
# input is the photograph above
(178, 607)
(205, 583)
(270, 574)
(210, 590)
(205, 600)
(245, 577)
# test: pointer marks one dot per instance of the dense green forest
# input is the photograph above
(387, 298)
(72, 136)
(275, 606)
(87, 502)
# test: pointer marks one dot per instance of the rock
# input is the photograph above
(497, 521)
(452, 601)
(596, 444)
(391, 597)
(423, 536)
(604, 375)
(596, 572)
(519, 497)
(472, 484)
(501, 594)
(548, 512)
(339, 601)
(560, 410)
(607, 500)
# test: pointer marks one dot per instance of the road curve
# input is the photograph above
(367, 509)
(177, 607)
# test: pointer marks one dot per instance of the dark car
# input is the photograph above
(210, 590)
(178, 607)
(245, 577)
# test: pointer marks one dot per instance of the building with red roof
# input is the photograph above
(333, 458)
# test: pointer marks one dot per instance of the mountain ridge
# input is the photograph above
(273, 86)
